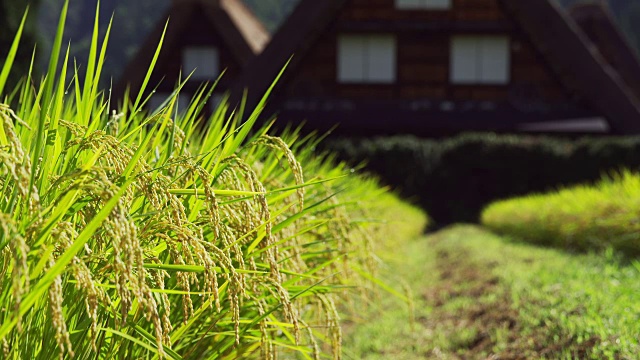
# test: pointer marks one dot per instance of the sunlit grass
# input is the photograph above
(133, 235)
(541, 303)
(585, 218)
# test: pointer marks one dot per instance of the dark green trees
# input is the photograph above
(11, 12)
(272, 12)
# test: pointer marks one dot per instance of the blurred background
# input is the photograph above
(134, 20)
(132, 23)
(423, 143)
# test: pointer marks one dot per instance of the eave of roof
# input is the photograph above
(564, 46)
(252, 29)
(243, 38)
(598, 22)
(578, 64)
(294, 37)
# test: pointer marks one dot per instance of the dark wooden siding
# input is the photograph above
(423, 58)
(385, 10)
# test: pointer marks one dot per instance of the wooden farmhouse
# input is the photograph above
(432, 67)
(205, 37)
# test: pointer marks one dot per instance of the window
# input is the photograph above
(424, 4)
(480, 60)
(366, 59)
(203, 61)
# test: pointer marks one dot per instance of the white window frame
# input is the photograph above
(424, 4)
(480, 59)
(203, 61)
(367, 59)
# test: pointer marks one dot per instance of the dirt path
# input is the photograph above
(474, 299)
(469, 306)
(473, 309)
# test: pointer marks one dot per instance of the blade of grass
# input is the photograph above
(10, 58)
(145, 82)
(48, 89)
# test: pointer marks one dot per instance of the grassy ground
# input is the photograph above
(478, 296)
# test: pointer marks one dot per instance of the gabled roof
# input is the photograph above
(566, 48)
(294, 38)
(577, 63)
(241, 30)
(253, 30)
(598, 22)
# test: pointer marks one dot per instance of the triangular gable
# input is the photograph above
(294, 37)
(579, 66)
(565, 48)
(598, 22)
(242, 32)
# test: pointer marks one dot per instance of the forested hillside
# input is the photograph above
(271, 12)
(627, 13)
(10, 17)
(133, 20)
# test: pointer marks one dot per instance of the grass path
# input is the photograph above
(478, 296)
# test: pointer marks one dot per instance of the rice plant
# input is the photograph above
(134, 234)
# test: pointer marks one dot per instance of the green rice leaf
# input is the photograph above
(8, 62)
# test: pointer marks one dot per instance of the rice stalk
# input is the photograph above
(132, 234)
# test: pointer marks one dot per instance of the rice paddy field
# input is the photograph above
(136, 233)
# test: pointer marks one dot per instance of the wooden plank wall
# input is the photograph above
(385, 10)
(423, 60)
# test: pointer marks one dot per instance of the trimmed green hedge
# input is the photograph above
(453, 179)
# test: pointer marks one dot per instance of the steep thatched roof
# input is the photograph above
(565, 47)
(240, 29)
